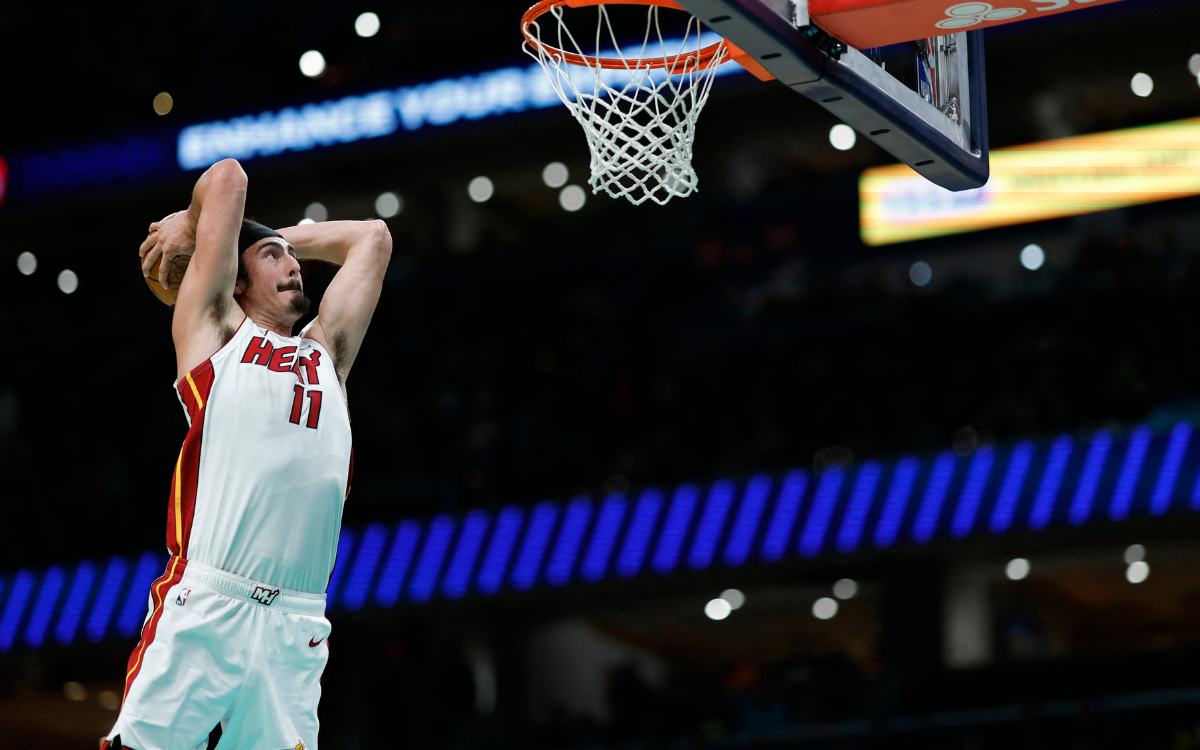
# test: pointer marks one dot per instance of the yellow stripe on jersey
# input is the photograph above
(195, 390)
(179, 500)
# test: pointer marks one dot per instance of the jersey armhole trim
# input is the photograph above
(215, 357)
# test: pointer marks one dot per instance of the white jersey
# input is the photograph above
(265, 468)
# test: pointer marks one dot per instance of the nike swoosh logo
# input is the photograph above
(314, 644)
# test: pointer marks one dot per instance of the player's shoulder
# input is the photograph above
(198, 341)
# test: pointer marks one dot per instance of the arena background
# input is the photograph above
(735, 374)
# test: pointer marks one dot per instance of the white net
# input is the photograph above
(639, 119)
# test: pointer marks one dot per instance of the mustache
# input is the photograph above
(292, 286)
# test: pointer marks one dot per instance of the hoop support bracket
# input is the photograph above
(854, 89)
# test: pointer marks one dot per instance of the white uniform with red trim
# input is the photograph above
(236, 630)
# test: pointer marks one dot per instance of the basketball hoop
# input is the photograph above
(637, 110)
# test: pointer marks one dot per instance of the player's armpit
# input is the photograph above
(363, 248)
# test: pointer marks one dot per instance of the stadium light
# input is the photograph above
(717, 609)
(366, 25)
(481, 189)
(735, 598)
(1134, 553)
(1137, 572)
(163, 103)
(1142, 85)
(846, 588)
(26, 263)
(555, 174)
(1033, 257)
(920, 273)
(68, 282)
(312, 63)
(317, 212)
(842, 137)
(388, 205)
(824, 608)
(572, 198)
(1017, 569)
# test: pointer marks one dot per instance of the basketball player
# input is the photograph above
(236, 636)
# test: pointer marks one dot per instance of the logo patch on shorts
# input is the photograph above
(264, 595)
(182, 598)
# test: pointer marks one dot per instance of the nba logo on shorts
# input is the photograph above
(182, 598)
(264, 595)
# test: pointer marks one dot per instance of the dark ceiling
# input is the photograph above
(95, 69)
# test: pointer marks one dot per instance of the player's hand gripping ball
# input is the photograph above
(174, 239)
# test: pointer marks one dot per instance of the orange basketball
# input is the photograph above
(174, 279)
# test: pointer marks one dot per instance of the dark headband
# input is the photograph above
(252, 233)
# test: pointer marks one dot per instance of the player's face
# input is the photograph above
(273, 283)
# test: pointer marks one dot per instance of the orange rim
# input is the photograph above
(683, 63)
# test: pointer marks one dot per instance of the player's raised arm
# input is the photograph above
(363, 249)
(201, 322)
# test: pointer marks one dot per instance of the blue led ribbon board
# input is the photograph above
(1026, 486)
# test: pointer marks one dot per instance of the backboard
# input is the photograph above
(935, 123)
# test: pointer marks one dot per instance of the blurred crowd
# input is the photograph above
(750, 352)
(717, 351)
(1136, 701)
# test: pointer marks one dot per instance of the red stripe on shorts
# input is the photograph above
(158, 590)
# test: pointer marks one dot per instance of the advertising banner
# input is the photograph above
(1048, 180)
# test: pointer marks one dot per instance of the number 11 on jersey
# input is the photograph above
(314, 407)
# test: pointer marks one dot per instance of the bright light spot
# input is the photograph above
(572, 198)
(388, 205)
(842, 137)
(1194, 64)
(312, 63)
(1032, 257)
(74, 691)
(825, 608)
(1017, 568)
(920, 273)
(366, 24)
(304, 221)
(735, 598)
(163, 103)
(1134, 553)
(1142, 84)
(26, 262)
(717, 609)
(845, 588)
(1138, 571)
(68, 282)
(555, 174)
(317, 212)
(480, 189)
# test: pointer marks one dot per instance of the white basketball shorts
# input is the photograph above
(218, 648)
